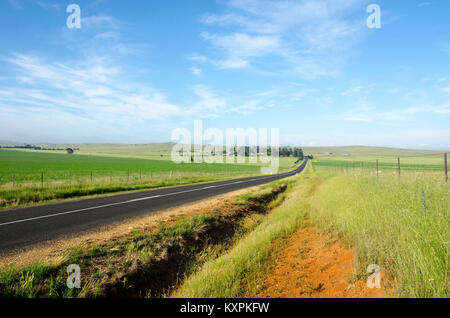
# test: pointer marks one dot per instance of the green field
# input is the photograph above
(366, 158)
(27, 166)
(106, 168)
(66, 176)
(401, 224)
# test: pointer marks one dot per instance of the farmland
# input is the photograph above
(33, 176)
(366, 158)
(27, 166)
(399, 223)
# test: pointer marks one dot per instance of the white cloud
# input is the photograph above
(366, 113)
(209, 104)
(239, 47)
(100, 21)
(48, 5)
(402, 138)
(198, 58)
(248, 107)
(195, 70)
(424, 4)
(90, 88)
(310, 37)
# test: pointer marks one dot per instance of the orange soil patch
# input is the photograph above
(312, 265)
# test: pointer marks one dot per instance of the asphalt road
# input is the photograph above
(27, 226)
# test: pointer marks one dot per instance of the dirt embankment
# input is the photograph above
(175, 249)
(312, 265)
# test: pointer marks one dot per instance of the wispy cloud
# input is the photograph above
(311, 37)
(424, 4)
(365, 113)
(49, 5)
(208, 104)
(90, 88)
(195, 70)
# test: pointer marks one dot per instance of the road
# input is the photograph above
(31, 225)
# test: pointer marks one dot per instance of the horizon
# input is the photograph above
(313, 69)
(172, 142)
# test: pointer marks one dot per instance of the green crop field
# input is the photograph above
(366, 158)
(382, 164)
(28, 177)
(27, 166)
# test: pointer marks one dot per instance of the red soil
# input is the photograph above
(312, 265)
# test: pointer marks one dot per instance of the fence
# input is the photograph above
(86, 177)
(437, 162)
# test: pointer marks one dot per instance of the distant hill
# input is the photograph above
(105, 147)
(366, 150)
(166, 147)
(126, 148)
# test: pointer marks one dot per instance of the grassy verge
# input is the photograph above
(22, 195)
(147, 262)
(232, 274)
(401, 224)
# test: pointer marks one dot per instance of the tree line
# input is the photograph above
(31, 147)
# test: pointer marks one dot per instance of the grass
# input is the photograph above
(145, 262)
(385, 164)
(401, 224)
(27, 167)
(69, 176)
(232, 274)
(359, 156)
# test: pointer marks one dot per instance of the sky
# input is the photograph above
(136, 70)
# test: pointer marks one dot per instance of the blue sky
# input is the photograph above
(136, 70)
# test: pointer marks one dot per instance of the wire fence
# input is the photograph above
(433, 163)
(50, 178)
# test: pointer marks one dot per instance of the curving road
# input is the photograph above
(27, 226)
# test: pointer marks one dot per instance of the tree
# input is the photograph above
(69, 151)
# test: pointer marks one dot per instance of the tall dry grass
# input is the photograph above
(401, 224)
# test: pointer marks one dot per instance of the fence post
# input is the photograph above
(42, 179)
(13, 180)
(140, 174)
(110, 177)
(377, 168)
(398, 162)
(128, 175)
(445, 167)
(91, 176)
